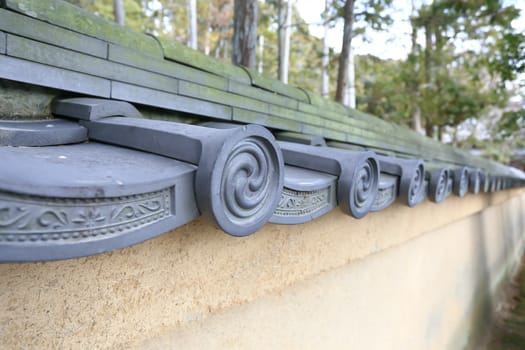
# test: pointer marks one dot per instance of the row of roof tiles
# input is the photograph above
(55, 44)
(102, 177)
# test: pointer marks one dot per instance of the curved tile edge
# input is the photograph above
(306, 196)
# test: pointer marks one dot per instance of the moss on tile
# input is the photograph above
(28, 27)
(21, 101)
(220, 96)
(183, 54)
(62, 58)
(287, 113)
(173, 69)
(251, 117)
(3, 42)
(172, 116)
(277, 86)
(68, 16)
(262, 95)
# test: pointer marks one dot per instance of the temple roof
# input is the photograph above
(97, 175)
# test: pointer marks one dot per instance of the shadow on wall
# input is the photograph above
(490, 282)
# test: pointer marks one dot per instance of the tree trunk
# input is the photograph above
(192, 25)
(429, 128)
(325, 82)
(245, 32)
(280, 26)
(349, 99)
(207, 41)
(344, 58)
(284, 38)
(455, 140)
(217, 53)
(428, 54)
(260, 67)
(416, 118)
(118, 12)
(226, 50)
(429, 115)
(416, 111)
(207, 48)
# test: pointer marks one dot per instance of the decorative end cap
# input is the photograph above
(239, 183)
(358, 185)
(438, 185)
(461, 183)
(412, 184)
(475, 181)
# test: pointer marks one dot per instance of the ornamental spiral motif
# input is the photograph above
(365, 187)
(484, 181)
(417, 184)
(463, 182)
(247, 180)
(441, 186)
(239, 179)
(475, 182)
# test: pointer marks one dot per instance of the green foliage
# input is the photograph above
(470, 51)
(305, 53)
(459, 74)
(371, 14)
(508, 59)
(378, 86)
(135, 16)
(305, 50)
(512, 127)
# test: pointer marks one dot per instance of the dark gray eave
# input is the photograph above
(59, 202)
(86, 170)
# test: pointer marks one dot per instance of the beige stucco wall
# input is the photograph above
(399, 279)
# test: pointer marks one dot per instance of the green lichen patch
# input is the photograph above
(156, 98)
(137, 59)
(172, 116)
(378, 134)
(219, 96)
(314, 99)
(185, 55)
(21, 101)
(308, 108)
(295, 115)
(252, 117)
(68, 16)
(330, 124)
(334, 135)
(78, 62)
(31, 28)
(3, 42)
(262, 95)
(277, 86)
(325, 104)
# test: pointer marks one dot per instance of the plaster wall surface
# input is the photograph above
(405, 278)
